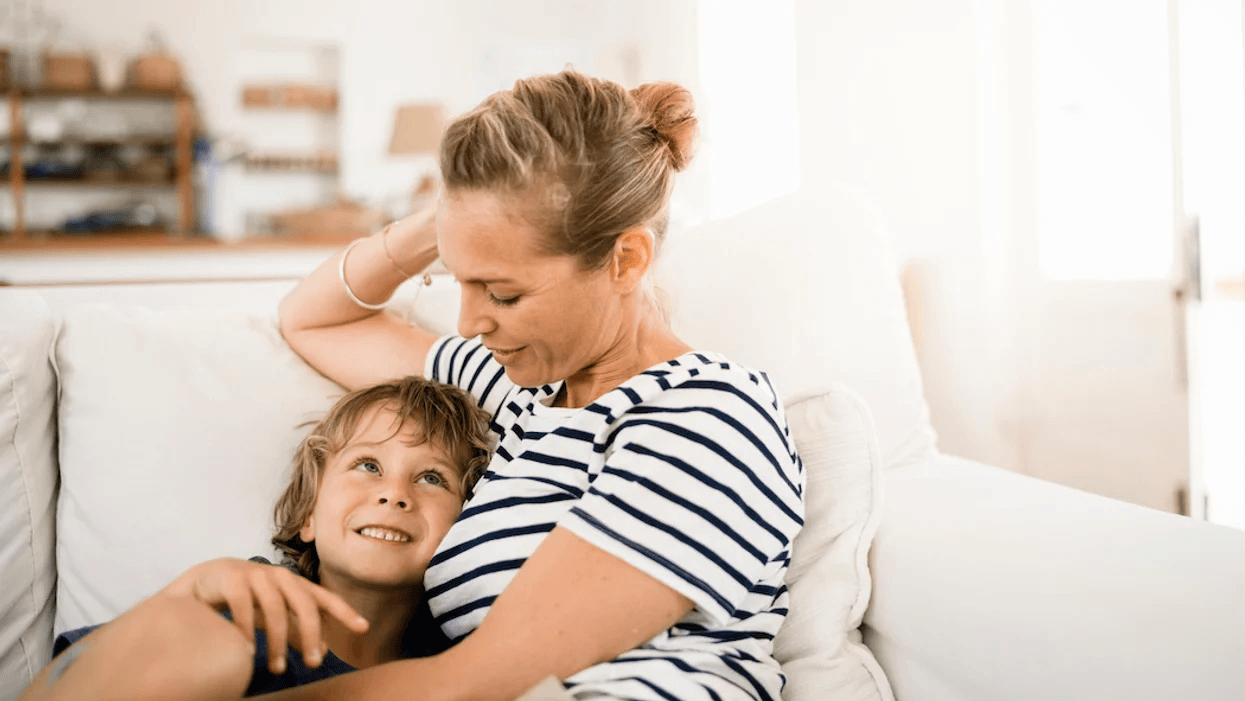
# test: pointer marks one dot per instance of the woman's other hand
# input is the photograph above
(286, 605)
(353, 345)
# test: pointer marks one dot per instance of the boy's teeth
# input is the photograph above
(382, 534)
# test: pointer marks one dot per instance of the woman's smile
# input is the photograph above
(505, 355)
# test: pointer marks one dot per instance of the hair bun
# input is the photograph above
(672, 114)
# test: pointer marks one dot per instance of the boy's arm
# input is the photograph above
(167, 648)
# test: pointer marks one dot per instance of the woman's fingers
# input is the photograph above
(304, 609)
(272, 604)
(242, 607)
(335, 606)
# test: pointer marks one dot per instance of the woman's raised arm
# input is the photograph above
(350, 344)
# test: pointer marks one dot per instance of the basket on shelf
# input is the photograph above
(68, 71)
(156, 69)
(340, 220)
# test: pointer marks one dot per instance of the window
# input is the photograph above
(1104, 121)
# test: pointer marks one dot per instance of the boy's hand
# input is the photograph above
(268, 597)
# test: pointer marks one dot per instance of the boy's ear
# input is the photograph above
(307, 533)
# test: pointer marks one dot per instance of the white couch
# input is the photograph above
(981, 584)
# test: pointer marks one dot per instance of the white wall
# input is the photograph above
(890, 107)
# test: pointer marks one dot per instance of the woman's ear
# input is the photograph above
(633, 256)
(307, 533)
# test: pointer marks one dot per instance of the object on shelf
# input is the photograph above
(134, 215)
(4, 69)
(45, 128)
(154, 167)
(110, 64)
(342, 220)
(287, 163)
(157, 68)
(290, 96)
(417, 130)
(132, 161)
(68, 71)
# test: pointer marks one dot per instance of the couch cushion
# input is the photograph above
(27, 488)
(177, 430)
(819, 644)
(805, 288)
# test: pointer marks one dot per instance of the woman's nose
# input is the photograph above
(472, 318)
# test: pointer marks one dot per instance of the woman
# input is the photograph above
(632, 532)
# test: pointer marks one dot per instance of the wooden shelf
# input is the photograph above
(136, 239)
(282, 163)
(290, 96)
(183, 157)
(150, 140)
(99, 94)
(127, 182)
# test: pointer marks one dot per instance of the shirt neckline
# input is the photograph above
(693, 358)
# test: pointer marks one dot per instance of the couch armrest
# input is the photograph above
(993, 585)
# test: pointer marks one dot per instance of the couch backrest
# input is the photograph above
(806, 288)
(27, 488)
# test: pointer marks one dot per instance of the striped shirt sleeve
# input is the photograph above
(701, 489)
(467, 364)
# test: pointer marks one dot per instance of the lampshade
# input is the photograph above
(417, 129)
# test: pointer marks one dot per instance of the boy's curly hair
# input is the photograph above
(441, 413)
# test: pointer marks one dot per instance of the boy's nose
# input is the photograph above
(401, 503)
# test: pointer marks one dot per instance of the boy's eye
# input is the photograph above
(434, 478)
(367, 465)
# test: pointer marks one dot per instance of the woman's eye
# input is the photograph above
(368, 465)
(503, 301)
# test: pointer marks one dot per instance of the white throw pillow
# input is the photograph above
(27, 489)
(806, 289)
(819, 645)
(176, 434)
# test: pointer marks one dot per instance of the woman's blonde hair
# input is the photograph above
(588, 158)
(442, 414)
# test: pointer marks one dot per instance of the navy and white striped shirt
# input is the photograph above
(686, 471)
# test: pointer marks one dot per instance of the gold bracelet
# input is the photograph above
(384, 243)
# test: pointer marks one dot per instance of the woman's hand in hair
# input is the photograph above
(286, 605)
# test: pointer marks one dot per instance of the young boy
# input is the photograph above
(374, 488)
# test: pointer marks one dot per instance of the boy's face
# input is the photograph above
(383, 506)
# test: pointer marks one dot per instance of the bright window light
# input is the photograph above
(1104, 145)
(750, 136)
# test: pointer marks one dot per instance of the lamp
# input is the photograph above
(417, 130)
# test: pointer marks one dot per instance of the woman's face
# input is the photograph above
(543, 317)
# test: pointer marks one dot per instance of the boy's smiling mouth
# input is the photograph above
(385, 533)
